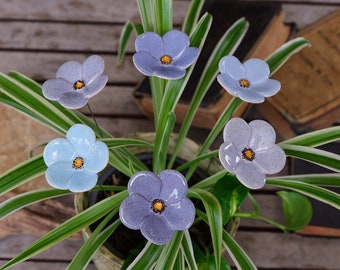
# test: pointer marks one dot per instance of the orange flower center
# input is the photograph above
(78, 163)
(158, 206)
(244, 83)
(78, 85)
(166, 59)
(248, 154)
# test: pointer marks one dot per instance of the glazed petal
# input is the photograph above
(53, 89)
(71, 71)
(187, 57)
(249, 176)
(180, 215)
(59, 174)
(58, 150)
(175, 42)
(169, 72)
(272, 160)
(73, 100)
(95, 86)
(262, 135)
(174, 186)
(238, 132)
(150, 43)
(82, 180)
(97, 157)
(233, 67)
(256, 70)
(145, 63)
(91, 67)
(133, 211)
(229, 156)
(266, 88)
(146, 184)
(156, 229)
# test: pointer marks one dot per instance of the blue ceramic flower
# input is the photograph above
(73, 163)
(157, 205)
(165, 57)
(75, 83)
(249, 81)
(249, 151)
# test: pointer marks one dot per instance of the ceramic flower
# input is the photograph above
(249, 151)
(75, 83)
(73, 163)
(165, 57)
(248, 81)
(157, 205)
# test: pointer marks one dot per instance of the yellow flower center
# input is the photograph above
(248, 154)
(78, 163)
(244, 83)
(166, 59)
(78, 85)
(158, 206)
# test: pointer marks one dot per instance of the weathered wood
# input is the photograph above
(84, 11)
(43, 65)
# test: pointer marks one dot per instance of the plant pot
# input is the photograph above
(108, 257)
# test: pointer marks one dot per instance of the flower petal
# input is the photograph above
(95, 86)
(169, 72)
(271, 160)
(238, 132)
(180, 215)
(186, 58)
(249, 176)
(73, 100)
(262, 135)
(145, 63)
(156, 229)
(229, 156)
(82, 137)
(174, 186)
(266, 88)
(150, 43)
(92, 67)
(82, 180)
(58, 150)
(146, 184)
(59, 174)
(250, 96)
(229, 84)
(133, 210)
(175, 42)
(232, 66)
(97, 157)
(256, 70)
(70, 71)
(53, 89)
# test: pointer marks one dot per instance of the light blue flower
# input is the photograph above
(73, 163)
(75, 83)
(165, 57)
(157, 205)
(249, 151)
(249, 81)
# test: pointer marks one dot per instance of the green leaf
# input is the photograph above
(238, 255)
(147, 257)
(69, 227)
(297, 209)
(94, 242)
(282, 54)
(123, 40)
(214, 214)
(169, 254)
(320, 157)
(119, 142)
(146, 13)
(322, 179)
(321, 194)
(192, 16)
(163, 16)
(22, 200)
(22, 173)
(231, 193)
(188, 251)
(315, 138)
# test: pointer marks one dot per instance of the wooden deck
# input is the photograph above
(37, 36)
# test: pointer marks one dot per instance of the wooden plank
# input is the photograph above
(43, 65)
(23, 35)
(292, 251)
(118, 11)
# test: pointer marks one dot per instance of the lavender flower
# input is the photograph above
(165, 57)
(75, 83)
(249, 81)
(250, 151)
(157, 205)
